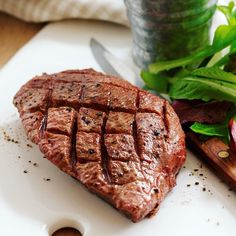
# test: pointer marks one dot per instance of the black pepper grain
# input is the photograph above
(87, 122)
(46, 179)
(156, 133)
(196, 183)
(91, 151)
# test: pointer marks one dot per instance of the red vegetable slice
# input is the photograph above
(232, 132)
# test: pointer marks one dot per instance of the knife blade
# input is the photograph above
(112, 65)
(99, 53)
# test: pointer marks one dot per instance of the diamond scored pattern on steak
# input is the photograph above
(121, 142)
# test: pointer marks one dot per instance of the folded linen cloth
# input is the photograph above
(51, 10)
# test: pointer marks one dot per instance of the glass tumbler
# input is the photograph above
(168, 29)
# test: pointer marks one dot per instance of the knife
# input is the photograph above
(112, 65)
(213, 151)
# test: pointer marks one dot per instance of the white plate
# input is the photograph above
(29, 205)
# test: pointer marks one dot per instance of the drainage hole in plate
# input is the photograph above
(67, 232)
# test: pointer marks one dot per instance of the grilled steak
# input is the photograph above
(123, 143)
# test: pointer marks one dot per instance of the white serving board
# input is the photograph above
(31, 206)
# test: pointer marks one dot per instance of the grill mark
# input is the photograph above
(135, 137)
(81, 96)
(104, 154)
(65, 104)
(43, 125)
(55, 131)
(164, 118)
(95, 106)
(123, 110)
(73, 159)
(137, 100)
(135, 130)
(49, 102)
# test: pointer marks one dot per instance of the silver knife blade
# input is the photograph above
(112, 65)
(99, 53)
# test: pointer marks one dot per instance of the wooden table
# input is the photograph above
(14, 34)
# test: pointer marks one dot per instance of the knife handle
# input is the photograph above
(217, 154)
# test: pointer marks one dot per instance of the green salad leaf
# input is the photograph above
(215, 73)
(202, 88)
(157, 82)
(224, 36)
(219, 130)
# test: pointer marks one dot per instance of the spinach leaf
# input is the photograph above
(215, 73)
(219, 130)
(156, 82)
(201, 88)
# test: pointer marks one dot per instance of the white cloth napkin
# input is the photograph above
(51, 10)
